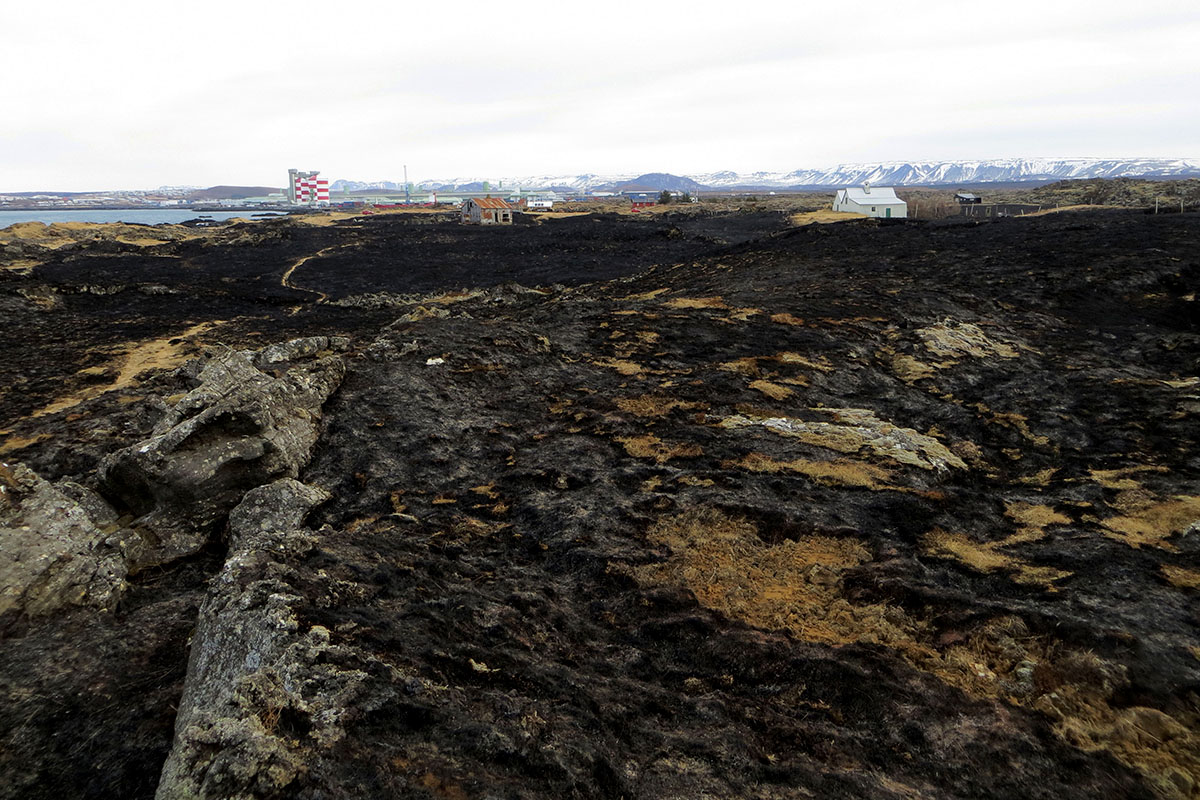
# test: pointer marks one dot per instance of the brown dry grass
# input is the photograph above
(797, 585)
(59, 234)
(1079, 207)
(792, 584)
(1040, 478)
(839, 472)
(823, 216)
(987, 557)
(963, 340)
(697, 302)
(787, 319)
(742, 314)
(909, 369)
(650, 295)
(1181, 577)
(326, 219)
(742, 366)
(649, 405)
(650, 446)
(1017, 422)
(1032, 520)
(1164, 748)
(22, 266)
(620, 365)
(693, 480)
(448, 298)
(1119, 478)
(167, 352)
(820, 363)
(771, 390)
(1148, 520)
(13, 443)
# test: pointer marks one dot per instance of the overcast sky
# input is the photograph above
(97, 95)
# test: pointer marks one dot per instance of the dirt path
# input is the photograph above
(286, 280)
(164, 353)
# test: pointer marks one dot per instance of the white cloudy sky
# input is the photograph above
(97, 95)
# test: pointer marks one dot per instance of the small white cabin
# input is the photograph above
(873, 201)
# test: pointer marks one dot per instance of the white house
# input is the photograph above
(874, 201)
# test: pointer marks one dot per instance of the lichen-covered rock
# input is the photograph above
(263, 699)
(295, 349)
(239, 428)
(52, 554)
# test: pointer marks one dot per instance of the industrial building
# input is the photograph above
(873, 201)
(305, 189)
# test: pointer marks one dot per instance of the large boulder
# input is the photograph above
(238, 429)
(54, 554)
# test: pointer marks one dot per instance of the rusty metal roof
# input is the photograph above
(491, 202)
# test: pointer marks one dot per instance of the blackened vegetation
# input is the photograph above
(697, 506)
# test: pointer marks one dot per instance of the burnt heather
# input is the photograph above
(691, 505)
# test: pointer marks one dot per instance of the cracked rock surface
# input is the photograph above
(239, 428)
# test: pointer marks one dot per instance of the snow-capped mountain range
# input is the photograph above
(890, 173)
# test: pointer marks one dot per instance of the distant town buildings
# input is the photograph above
(305, 189)
(873, 201)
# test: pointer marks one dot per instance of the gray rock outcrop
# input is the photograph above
(238, 429)
(52, 553)
(263, 698)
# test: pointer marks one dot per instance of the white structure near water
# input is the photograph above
(873, 201)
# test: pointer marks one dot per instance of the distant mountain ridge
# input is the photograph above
(231, 192)
(889, 173)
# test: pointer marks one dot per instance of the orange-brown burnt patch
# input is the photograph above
(650, 446)
(697, 302)
(837, 472)
(787, 319)
(795, 584)
(653, 405)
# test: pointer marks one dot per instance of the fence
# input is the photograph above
(998, 209)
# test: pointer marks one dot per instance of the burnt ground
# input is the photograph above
(111, 293)
(722, 509)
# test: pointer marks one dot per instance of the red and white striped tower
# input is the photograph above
(305, 190)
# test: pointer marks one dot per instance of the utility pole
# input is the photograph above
(407, 199)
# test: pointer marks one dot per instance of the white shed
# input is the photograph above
(874, 201)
